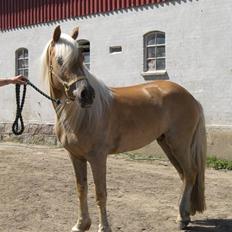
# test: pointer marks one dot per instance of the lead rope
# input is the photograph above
(57, 101)
(18, 124)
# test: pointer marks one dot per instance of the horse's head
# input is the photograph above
(66, 68)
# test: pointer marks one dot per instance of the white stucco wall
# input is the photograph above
(198, 51)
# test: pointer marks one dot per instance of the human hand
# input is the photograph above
(20, 79)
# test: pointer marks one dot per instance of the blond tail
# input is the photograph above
(198, 150)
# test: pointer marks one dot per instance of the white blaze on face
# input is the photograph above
(79, 86)
(67, 49)
(75, 92)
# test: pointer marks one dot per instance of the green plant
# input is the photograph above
(218, 164)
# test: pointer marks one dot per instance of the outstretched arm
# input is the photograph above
(13, 80)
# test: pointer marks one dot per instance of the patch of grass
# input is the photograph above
(218, 164)
(212, 161)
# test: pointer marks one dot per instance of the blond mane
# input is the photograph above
(73, 117)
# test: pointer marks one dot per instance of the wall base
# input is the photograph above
(33, 133)
(219, 139)
(219, 144)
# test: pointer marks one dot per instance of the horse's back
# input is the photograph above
(156, 92)
(163, 86)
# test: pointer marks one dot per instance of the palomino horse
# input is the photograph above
(95, 120)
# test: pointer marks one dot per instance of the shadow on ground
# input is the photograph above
(210, 225)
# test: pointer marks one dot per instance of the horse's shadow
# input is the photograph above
(210, 225)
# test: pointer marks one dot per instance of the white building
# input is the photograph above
(130, 42)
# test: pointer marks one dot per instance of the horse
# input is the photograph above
(94, 120)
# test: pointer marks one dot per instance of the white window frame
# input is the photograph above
(22, 70)
(147, 72)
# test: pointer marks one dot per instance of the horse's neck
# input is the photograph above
(73, 118)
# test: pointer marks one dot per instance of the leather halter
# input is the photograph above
(66, 85)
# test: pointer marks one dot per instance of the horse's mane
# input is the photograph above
(77, 117)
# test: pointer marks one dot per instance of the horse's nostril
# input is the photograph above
(84, 94)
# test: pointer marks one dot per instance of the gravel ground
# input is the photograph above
(38, 194)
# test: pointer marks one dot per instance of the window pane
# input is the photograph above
(20, 63)
(151, 52)
(86, 57)
(20, 53)
(25, 53)
(20, 72)
(160, 39)
(151, 65)
(160, 51)
(115, 49)
(25, 63)
(26, 72)
(160, 64)
(151, 39)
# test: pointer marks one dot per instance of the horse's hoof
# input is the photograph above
(183, 224)
(75, 229)
(104, 229)
(79, 227)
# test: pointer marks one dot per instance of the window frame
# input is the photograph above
(21, 70)
(146, 71)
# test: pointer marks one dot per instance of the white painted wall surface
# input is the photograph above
(198, 51)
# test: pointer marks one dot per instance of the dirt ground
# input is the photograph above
(38, 194)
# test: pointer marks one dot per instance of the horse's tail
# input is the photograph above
(198, 150)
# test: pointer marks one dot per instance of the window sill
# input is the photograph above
(155, 75)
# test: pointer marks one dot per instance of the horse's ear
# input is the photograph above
(56, 34)
(75, 33)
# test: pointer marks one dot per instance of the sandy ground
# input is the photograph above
(38, 194)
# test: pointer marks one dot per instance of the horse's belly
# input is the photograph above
(131, 146)
(134, 139)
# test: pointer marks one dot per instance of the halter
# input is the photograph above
(66, 85)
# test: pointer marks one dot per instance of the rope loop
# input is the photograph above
(18, 124)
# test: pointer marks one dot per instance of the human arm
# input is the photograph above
(13, 80)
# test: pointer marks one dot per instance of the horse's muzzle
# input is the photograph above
(87, 96)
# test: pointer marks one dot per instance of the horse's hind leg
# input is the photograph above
(166, 148)
(98, 165)
(183, 155)
(185, 203)
(179, 156)
(80, 168)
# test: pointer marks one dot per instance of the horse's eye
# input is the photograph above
(60, 60)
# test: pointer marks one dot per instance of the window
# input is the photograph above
(85, 50)
(154, 51)
(115, 49)
(21, 62)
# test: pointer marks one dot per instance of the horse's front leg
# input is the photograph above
(98, 166)
(80, 168)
